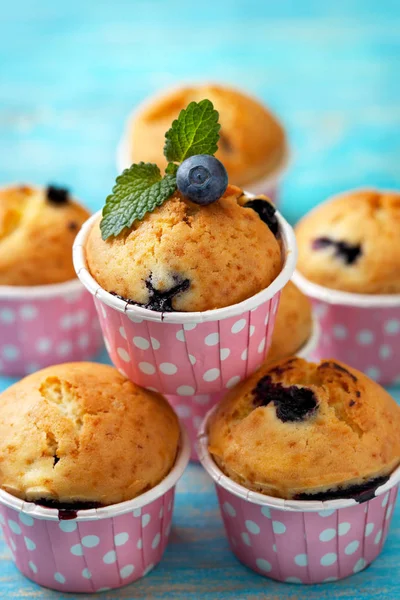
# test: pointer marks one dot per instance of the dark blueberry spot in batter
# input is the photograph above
(358, 394)
(67, 511)
(352, 402)
(266, 211)
(73, 226)
(347, 252)
(57, 195)
(361, 492)
(338, 368)
(160, 301)
(291, 403)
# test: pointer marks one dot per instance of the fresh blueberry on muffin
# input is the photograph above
(184, 241)
(252, 141)
(299, 430)
(352, 243)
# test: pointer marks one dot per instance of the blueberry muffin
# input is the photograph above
(252, 142)
(293, 325)
(352, 243)
(80, 435)
(189, 257)
(299, 430)
(37, 229)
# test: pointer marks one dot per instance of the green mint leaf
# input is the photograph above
(195, 131)
(171, 169)
(138, 190)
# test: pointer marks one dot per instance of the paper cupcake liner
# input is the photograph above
(301, 541)
(188, 353)
(45, 325)
(360, 330)
(268, 185)
(193, 409)
(99, 550)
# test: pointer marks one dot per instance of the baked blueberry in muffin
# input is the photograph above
(37, 230)
(352, 243)
(187, 257)
(300, 430)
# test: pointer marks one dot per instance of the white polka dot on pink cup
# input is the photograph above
(192, 353)
(301, 541)
(99, 549)
(45, 325)
(360, 330)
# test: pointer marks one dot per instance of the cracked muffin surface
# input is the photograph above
(80, 433)
(187, 257)
(352, 243)
(37, 230)
(299, 430)
(252, 141)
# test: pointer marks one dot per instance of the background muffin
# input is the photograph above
(82, 433)
(37, 230)
(352, 243)
(301, 430)
(252, 141)
(188, 257)
(293, 325)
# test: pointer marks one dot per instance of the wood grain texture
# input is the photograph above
(70, 73)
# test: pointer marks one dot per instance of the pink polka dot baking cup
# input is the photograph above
(361, 330)
(45, 325)
(301, 541)
(100, 549)
(192, 353)
(192, 409)
(268, 185)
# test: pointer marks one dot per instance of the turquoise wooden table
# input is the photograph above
(69, 74)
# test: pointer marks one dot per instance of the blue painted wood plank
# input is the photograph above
(70, 73)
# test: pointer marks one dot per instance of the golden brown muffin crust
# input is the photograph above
(293, 325)
(36, 237)
(351, 436)
(225, 252)
(81, 432)
(252, 141)
(368, 220)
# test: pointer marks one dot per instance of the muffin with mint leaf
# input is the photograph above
(187, 247)
(187, 241)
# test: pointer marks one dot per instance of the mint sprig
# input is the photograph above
(141, 188)
(195, 131)
(138, 190)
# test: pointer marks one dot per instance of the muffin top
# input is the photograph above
(81, 433)
(293, 325)
(189, 257)
(252, 141)
(299, 430)
(37, 229)
(352, 243)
